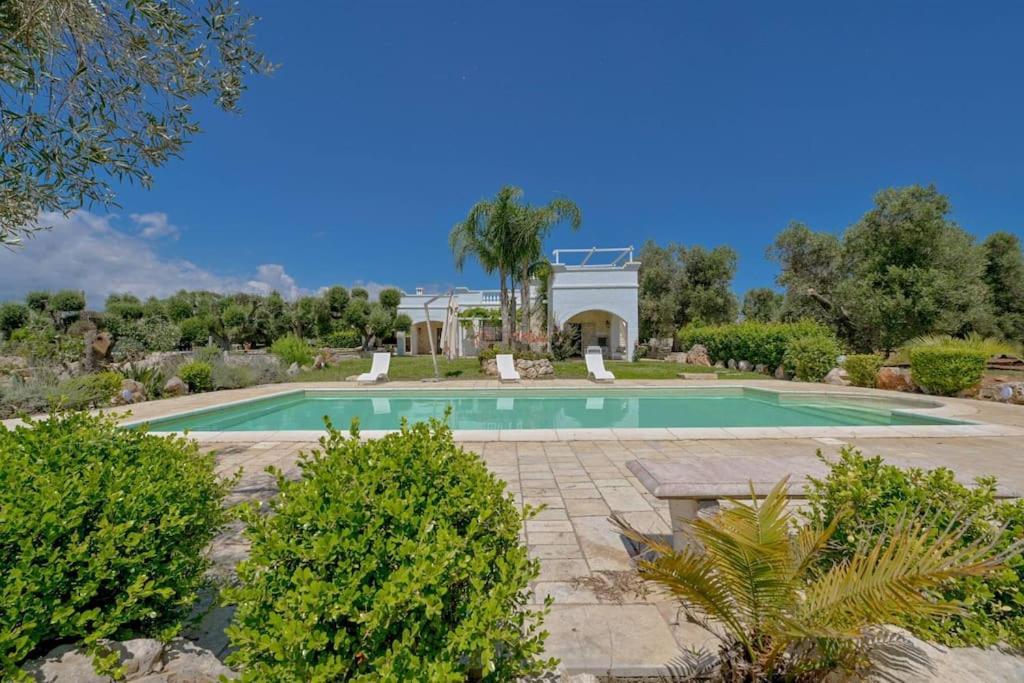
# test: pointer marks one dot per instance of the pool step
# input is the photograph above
(698, 375)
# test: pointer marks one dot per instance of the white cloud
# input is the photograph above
(84, 251)
(155, 225)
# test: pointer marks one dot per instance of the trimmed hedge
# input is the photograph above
(946, 370)
(810, 358)
(394, 559)
(862, 369)
(102, 533)
(759, 343)
(883, 496)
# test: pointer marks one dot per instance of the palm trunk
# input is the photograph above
(524, 289)
(506, 330)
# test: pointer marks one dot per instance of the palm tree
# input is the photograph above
(781, 615)
(535, 224)
(488, 233)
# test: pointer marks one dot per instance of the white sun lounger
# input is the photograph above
(507, 368)
(595, 369)
(378, 370)
(506, 403)
(595, 403)
(381, 406)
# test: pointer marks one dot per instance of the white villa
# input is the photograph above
(594, 290)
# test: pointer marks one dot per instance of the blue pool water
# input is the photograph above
(547, 409)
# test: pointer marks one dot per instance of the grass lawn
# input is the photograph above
(421, 367)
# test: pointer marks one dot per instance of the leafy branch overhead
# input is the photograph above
(93, 93)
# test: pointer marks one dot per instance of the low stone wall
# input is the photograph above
(527, 369)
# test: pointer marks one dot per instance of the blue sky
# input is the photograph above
(700, 123)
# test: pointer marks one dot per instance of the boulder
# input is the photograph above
(676, 357)
(698, 355)
(894, 379)
(745, 366)
(731, 364)
(838, 377)
(780, 373)
(761, 368)
(292, 370)
(131, 392)
(1004, 392)
(142, 660)
(175, 387)
(720, 365)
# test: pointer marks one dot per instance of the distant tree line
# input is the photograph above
(905, 269)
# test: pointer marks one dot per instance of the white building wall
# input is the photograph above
(614, 289)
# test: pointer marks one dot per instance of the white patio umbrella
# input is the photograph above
(450, 330)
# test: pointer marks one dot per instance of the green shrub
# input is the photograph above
(291, 349)
(810, 358)
(226, 376)
(12, 317)
(862, 369)
(492, 352)
(209, 354)
(195, 331)
(343, 339)
(87, 391)
(161, 334)
(393, 559)
(197, 375)
(758, 343)
(29, 397)
(152, 378)
(882, 496)
(102, 533)
(946, 370)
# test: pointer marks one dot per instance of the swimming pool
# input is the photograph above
(514, 409)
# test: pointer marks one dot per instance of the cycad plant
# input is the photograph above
(751, 577)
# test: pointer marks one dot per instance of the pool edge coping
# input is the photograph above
(938, 409)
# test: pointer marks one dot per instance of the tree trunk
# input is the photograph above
(842, 317)
(506, 330)
(524, 289)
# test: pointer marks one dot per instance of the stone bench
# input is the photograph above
(692, 484)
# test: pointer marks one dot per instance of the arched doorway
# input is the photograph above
(602, 329)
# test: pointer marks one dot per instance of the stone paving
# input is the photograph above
(602, 621)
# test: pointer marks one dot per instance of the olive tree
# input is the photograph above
(96, 92)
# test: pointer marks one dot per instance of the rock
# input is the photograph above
(894, 379)
(292, 370)
(698, 355)
(142, 660)
(1004, 392)
(780, 373)
(720, 365)
(676, 357)
(761, 368)
(731, 364)
(745, 366)
(579, 678)
(131, 392)
(175, 387)
(838, 377)
(659, 348)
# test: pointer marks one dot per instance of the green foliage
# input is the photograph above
(904, 269)
(862, 369)
(946, 370)
(102, 533)
(197, 375)
(972, 342)
(682, 285)
(566, 342)
(811, 357)
(137, 70)
(67, 301)
(12, 317)
(359, 293)
(402, 323)
(125, 306)
(762, 305)
(195, 331)
(337, 300)
(345, 338)
(883, 496)
(40, 345)
(87, 391)
(759, 343)
(37, 301)
(224, 376)
(291, 349)
(763, 586)
(525, 354)
(393, 559)
(152, 378)
(1004, 276)
(390, 298)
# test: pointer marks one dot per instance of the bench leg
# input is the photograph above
(682, 511)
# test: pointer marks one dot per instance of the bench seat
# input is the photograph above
(692, 483)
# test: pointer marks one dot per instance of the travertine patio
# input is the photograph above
(602, 622)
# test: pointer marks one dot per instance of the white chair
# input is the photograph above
(378, 370)
(507, 368)
(595, 368)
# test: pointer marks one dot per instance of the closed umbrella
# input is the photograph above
(450, 330)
